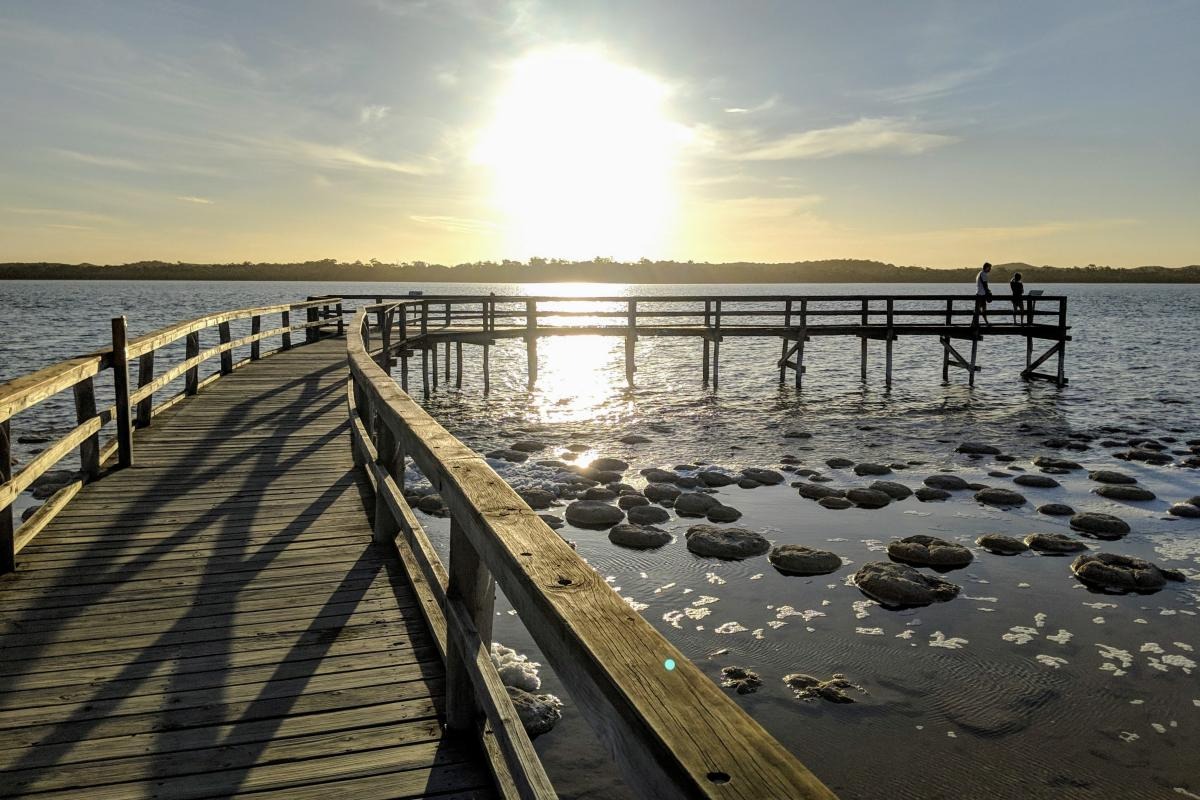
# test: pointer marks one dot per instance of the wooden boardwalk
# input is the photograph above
(215, 621)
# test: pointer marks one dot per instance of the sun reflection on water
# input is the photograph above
(576, 379)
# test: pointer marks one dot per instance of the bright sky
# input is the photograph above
(934, 133)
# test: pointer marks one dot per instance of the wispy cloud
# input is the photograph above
(204, 201)
(866, 135)
(937, 85)
(455, 224)
(338, 157)
(765, 105)
(62, 213)
(1003, 233)
(113, 162)
(372, 113)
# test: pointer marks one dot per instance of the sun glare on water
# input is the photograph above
(582, 156)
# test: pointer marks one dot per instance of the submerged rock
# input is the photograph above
(900, 585)
(1145, 456)
(1054, 543)
(640, 537)
(1053, 462)
(835, 503)
(593, 514)
(732, 543)
(711, 477)
(1134, 494)
(952, 483)
(1184, 510)
(1036, 481)
(1001, 498)
(815, 491)
(868, 498)
(515, 456)
(656, 475)
(896, 491)
(660, 492)
(1116, 573)
(839, 463)
(609, 464)
(796, 559)
(634, 438)
(539, 713)
(694, 504)
(1056, 510)
(740, 679)
(648, 515)
(1111, 476)
(537, 499)
(628, 501)
(722, 513)
(834, 690)
(600, 493)
(1101, 526)
(929, 551)
(1001, 544)
(927, 494)
(554, 522)
(529, 446)
(767, 477)
(977, 448)
(868, 468)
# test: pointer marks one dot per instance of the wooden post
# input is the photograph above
(424, 348)
(310, 333)
(286, 322)
(1062, 341)
(707, 342)
(120, 359)
(145, 406)
(341, 322)
(458, 369)
(85, 409)
(974, 350)
(863, 361)
(800, 347)
(385, 353)
(787, 323)
(378, 313)
(630, 339)
(447, 362)
(472, 585)
(433, 348)
(887, 380)
(716, 359)
(946, 340)
(191, 349)
(8, 555)
(489, 317)
(403, 347)
(386, 526)
(531, 340)
(255, 330)
(227, 355)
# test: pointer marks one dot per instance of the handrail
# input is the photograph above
(79, 374)
(671, 730)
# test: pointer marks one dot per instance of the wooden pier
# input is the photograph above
(230, 596)
(432, 324)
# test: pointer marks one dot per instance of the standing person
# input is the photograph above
(982, 293)
(1018, 299)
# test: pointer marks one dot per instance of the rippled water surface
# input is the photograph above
(1026, 685)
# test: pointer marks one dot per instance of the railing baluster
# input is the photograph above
(85, 409)
(286, 323)
(226, 355)
(8, 555)
(145, 406)
(120, 358)
(191, 349)
(255, 330)
(472, 585)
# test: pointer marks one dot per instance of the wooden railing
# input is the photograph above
(670, 729)
(133, 405)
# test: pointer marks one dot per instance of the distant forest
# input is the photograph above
(599, 270)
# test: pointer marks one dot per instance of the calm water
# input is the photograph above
(1026, 685)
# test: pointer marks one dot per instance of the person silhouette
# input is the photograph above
(1018, 297)
(982, 293)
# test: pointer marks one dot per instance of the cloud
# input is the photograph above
(1003, 233)
(455, 224)
(63, 213)
(935, 86)
(372, 113)
(333, 156)
(769, 103)
(101, 161)
(867, 135)
(204, 201)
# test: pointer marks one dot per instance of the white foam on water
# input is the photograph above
(1099, 606)
(1039, 619)
(1183, 662)
(1184, 646)
(730, 627)
(908, 634)
(860, 608)
(705, 600)
(1136, 702)
(939, 639)
(1151, 647)
(515, 668)
(757, 633)
(756, 577)
(1141, 621)
(1024, 585)
(1019, 634)
(869, 631)
(1128, 736)
(635, 605)
(1051, 661)
(1098, 620)
(776, 624)
(1062, 637)
(1158, 727)
(714, 578)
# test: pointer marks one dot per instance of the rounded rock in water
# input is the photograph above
(951, 483)
(648, 515)
(628, 501)
(731, 543)
(742, 680)
(815, 491)
(899, 585)
(609, 465)
(658, 492)
(1100, 526)
(796, 559)
(1117, 573)
(927, 494)
(1184, 510)
(835, 503)
(694, 504)
(1037, 481)
(768, 477)
(1124, 492)
(868, 468)
(1056, 510)
(1054, 543)
(593, 514)
(894, 490)
(638, 537)
(723, 513)
(539, 713)
(1001, 544)
(1112, 476)
(833, 690)
(1000, 498)
(711, 477)
(868, 498)
(929, 551)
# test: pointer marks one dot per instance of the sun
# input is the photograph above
(583, 157)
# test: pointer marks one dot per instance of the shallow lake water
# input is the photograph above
(1027, 684)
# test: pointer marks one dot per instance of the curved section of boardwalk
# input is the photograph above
(215, 620)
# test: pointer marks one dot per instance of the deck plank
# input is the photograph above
(215, 620)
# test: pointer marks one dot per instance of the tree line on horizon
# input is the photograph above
(599, 270)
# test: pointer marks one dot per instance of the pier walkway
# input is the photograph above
(231, 597)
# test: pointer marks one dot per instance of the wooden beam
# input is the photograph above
(8, 552)
(121, 383)
(85, 409)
